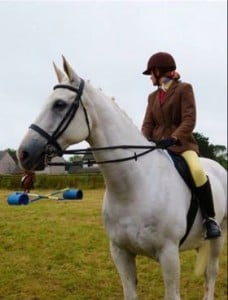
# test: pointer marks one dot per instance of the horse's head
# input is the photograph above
(63, 121)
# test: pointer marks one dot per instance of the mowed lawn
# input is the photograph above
(57, 250)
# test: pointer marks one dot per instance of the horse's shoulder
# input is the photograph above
(215, 170)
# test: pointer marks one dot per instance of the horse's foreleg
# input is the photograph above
(170, 264)
(212, 267)
(125, 264)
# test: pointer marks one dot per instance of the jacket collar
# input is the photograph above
(170, 91)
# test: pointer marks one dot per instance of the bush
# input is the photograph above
(44, 181)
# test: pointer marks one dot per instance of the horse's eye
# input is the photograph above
(59, 104)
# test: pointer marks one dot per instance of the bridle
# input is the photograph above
(52, 139)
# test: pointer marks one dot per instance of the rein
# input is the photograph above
(92, 161)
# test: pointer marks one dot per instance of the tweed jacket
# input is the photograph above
(176, 116)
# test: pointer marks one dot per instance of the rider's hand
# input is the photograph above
(166, 143)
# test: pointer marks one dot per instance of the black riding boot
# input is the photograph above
(207, 210)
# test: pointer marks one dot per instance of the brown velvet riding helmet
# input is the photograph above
(160, 60)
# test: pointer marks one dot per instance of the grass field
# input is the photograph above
(58, 250)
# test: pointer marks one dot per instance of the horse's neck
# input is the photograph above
(112, 127)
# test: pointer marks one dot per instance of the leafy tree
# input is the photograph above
(215, 152)
(221, 155)
(75, 158)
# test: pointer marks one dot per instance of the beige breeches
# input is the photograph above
(195, 166)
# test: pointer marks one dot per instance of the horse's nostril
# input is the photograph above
(23, 155)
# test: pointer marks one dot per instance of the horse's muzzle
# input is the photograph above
(30, 159)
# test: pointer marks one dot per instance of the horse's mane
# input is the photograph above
(112, 100)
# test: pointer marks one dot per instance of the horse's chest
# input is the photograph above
(132, 232)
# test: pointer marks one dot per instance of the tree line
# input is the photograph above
(207, 149)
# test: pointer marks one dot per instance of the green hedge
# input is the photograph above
(43, 181)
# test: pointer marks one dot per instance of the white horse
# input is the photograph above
(146, 201)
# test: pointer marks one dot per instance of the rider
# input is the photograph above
(169, 121)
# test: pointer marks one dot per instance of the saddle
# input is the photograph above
(183, 169)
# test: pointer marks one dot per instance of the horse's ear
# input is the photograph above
(73, 77)
(60, 75)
